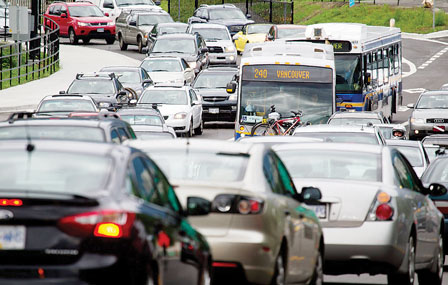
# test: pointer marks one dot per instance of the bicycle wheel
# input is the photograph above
(263, 129)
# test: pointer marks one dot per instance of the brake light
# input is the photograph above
(237, 204)
(11, 202)
(111, 224)
(384, 212)
(224, 264)
(382, 208)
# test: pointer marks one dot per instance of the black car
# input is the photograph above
(133, 77)
(211, 84)
(164, 29)
(87, 127)
(104, 88)
(95, 213)
(190, 47)
(227, 14)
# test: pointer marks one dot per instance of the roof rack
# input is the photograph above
(111, 75)
(86, 1)
(229, 5)
(203, 5)
(20, 116)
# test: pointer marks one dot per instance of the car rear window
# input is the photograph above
(157, 65)
(365, 138)
(169, 97)
(353, 121)
(72, 133)
(53, 171)
(412, 154)
(153, 135)
(67, 105)
(142, 120)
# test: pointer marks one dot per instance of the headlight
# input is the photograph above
(110, 24)
(230, 49)
(82, 24)
(417, 121)
(192, 64)
(233, 97)
(180, 116)
(104, 104)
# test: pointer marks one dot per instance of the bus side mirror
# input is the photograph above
(231, 87)
(368, 79)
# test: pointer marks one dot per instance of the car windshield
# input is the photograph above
(151, 20)
(201, 165)
(170, 97)
(53, 171)
(431, 151)
(341, 137)
(66, 105)
(329, 164)
(142, 120)
(413, 154)
(443, 141)
(72, 133)
(258, 29)
(439, 101)
(174, 45)
(173, 29)
(213, 80)
(161, 65)
(289, 32)
(386, 132)
(348, 73)
(439, 173)
(128, 77)
(353, 121)
(134, 2)
(153, 135)
(226, 14)
(91, 87)
(213, 34)
(85, 11)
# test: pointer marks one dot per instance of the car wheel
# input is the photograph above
(280, 269)
(190, 130)
(434, 275)
(123, 45)
(318, 275)
(85, 41)
(110, 40)
(204, 276)
(72, 37)
(408, 277)
(140, 44)
(200, 129)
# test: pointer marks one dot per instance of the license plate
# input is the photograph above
(12, 237)
(440, 129)
(100, 30)
(320, 210)
(213, 110)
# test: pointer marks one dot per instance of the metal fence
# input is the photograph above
(22, 61)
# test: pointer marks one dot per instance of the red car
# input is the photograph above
(81, 20)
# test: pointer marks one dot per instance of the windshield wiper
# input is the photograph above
(155, 70)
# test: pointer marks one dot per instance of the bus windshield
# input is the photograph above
(348, 73)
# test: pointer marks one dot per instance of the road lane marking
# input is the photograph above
(412, 68)
(414, 90)
(429, 61)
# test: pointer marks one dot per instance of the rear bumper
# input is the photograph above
(227, 111)
(419, 131)
(109, 32)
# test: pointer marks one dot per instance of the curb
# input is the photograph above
(435, 35)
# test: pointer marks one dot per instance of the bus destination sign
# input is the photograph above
(287, 73)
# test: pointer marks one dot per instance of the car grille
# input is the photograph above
(215, 49)
(214, 99)
(165, 117)
(98, 24)
(236, 28)
(437, 121)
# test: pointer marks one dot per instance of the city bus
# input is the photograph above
(290, 76)
(368, 65)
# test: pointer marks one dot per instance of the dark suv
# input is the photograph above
(190, 47)
(226, 14)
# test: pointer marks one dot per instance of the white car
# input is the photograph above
(173, 70)
(63, 105)
(180, 106)
(113, 8)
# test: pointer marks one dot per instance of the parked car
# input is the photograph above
(135, 78)
(190, 47)
(63, 105)
(104, 88)
(226, 14)
(357, 118)
(285, 31)
(166, 28)
(211, 84)
(92, 128)
(221, 49)
(252, 33)
(81, 20)
(133, 26)
(113, 8)
(260, 228)
(371, 202)
(168, 69)
(97, 214)
(429, 114)
(180, 107)
(414, 152)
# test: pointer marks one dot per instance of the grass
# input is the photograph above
(15, 81)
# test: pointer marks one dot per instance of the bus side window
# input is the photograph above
(399, 58)
(391, 61)
(380, 67)
(386, 65)
(374, 70)
(396, 61)
(365, 70)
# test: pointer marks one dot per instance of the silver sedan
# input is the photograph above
(377, 216)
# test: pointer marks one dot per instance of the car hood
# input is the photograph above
(220, 43)
(256, 38)
(94, 19)
(165, 76)
(430, 113)
(349, 201)
(221, 92)
(168, 110)
(133, 86)
(103, 98)
(186, 56)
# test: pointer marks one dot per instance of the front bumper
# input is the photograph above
(179, 125)
(419, 131)
(222, 58)
(226, 111)
(95, 32)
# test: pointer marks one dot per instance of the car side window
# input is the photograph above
(51, 10)
(115, 137)
(123, 135)
(144, 181)
(272, 175)
(63, 9)
(285, 178)
(403, 174)
(131, 131)
(184, 64)
(57, 10)
(197, 13)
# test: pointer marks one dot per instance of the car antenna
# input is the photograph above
(29, 145)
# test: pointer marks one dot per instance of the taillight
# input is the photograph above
(381, 209)
(236, 204)
(112, 224)
(11, 202)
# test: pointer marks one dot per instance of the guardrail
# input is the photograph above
(23, 61)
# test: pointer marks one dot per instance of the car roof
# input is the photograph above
(144, 11)
(138, 111)
(168, 87)
(176, 36)
(403, 143)
(172, 24)
(375, 149)
(361, 114)
(120, 68)
(335, 129)
(67, 97)
(78, 121)
(435, 92)
(149, 128)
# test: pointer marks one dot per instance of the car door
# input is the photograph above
(195, 109)
(188, 72)
(130, 30)
(64, 22)
(57, 15)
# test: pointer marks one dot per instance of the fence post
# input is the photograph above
(10, 65)
(247, 7)
(19, 60)
(169, 6)
(292, 11)
(1, 68)
(270, 11)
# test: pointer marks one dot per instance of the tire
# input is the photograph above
(280, 269)
(199, 130)
(408, 277)
(189, 134)
(140, 44)
(434, 276)
(204, 277)
(72, 37)
(318, 275)
(110, 40)
(123, 45)
(262, 129)
(86, 41)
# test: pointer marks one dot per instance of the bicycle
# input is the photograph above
(276, 126)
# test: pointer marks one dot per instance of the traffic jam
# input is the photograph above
(108, 182)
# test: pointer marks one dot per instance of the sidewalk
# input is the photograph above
(73, 60)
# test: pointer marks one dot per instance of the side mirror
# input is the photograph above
(108, 5)
(311, 195)
(147, 82)
(368, 78)
(236, 37)
(248, 16)
(63, 15)
(231, 87)
(204, 50)
(153, 35)
(410, 106)
(436, 189)
(133, 23)
(62, 92)
(157, 3)
(197, 206)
